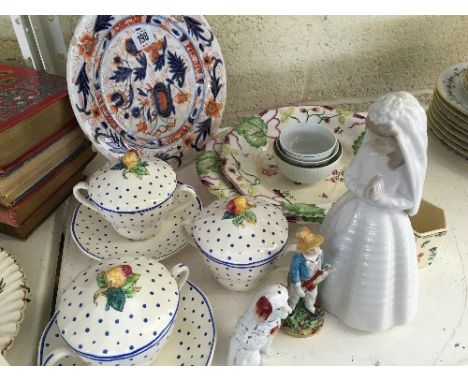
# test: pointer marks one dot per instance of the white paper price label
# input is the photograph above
(142, 37)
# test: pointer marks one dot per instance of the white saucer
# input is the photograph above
(96, 238)
(192, 341)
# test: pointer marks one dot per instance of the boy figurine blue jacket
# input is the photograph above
(298, 271)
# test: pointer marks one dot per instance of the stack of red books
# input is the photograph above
(42, 149)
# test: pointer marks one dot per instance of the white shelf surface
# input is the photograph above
(437, 336)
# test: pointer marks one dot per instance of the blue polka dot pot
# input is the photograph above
(239, 239)
(192, 342)
(119, 312)
(134, 195)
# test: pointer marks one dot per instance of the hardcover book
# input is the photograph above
(33, 105)
(22, 181)
(17, 214)
(22, 231)
(16, 164)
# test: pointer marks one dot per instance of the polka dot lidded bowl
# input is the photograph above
(239, 239)
(119, 312)
(133, 194)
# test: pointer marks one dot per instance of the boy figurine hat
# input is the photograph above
(306, 240)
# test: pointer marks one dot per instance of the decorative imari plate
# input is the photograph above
(248, 161)
(450, 87)
(192, 341)
(156, 84)
(13, 298)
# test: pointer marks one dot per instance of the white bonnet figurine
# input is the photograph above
(368, 236)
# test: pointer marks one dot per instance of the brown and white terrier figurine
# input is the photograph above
(254, 332)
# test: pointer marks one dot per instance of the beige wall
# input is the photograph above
(275, 60)
(9, 49)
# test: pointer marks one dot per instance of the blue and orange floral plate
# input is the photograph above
(156, 84)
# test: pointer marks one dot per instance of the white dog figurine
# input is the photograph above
(254, 332)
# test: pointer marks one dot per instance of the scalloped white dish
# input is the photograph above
(13, 299)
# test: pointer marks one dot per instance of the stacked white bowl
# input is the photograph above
(307, 153)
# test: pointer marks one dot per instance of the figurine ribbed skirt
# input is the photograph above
(374, 284)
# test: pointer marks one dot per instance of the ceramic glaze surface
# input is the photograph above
(307, 174)
(121, 58)
(247, 159)
(208, 166)
(306, 272)
(98, 329)
(153, 83)
(13, 299)
(254, 333)
(448, 111)
(192, 341)
(368, 236)
(247, 243)
(301, 163)
(96, 238)
(134, 195)
(430, 227)
(240, 241)
(448, 136)
(450, 87)
(240, 278)
(456, 129)
(447, 116)
(308, 142)
(448, 125)
(110, 189)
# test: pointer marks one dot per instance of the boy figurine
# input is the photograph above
(305, 274)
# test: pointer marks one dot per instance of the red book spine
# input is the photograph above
(25, 91)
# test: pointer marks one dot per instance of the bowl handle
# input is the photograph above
(181, 273)
(187, 232)
(184, 189)
(188, 221)
(57, 354)
(79, 196)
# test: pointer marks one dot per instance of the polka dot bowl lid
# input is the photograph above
(240, 231)
(132, 183)
(117, 307)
